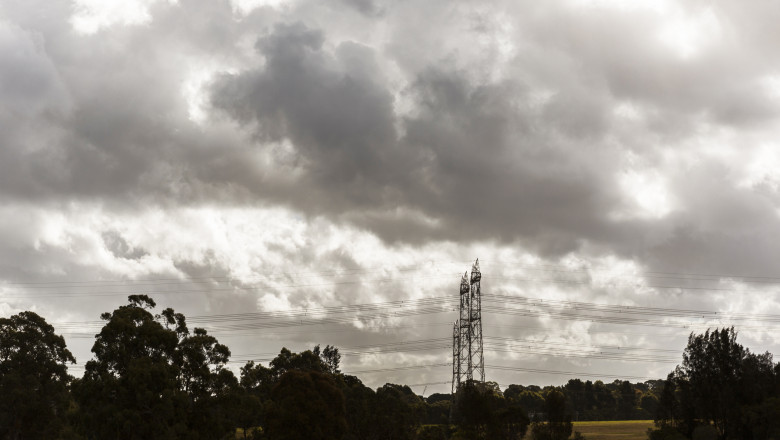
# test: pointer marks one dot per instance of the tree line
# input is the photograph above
(151, 377)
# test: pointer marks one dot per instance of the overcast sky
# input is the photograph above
(249, 156)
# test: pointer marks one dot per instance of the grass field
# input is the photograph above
(617, 430)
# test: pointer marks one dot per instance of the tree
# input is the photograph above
(762, 417)
(437, 413)
(151, 379)
(604, 403)
(432, 432)
(212, 389)
(722, 384)
(331, 358)
(360, 403)
(129, 389)
(306, 405)
(627, 401)
(575, 394)
(558, 425)
(437, 409)
(33, 378)
(649, 404)
(531, 401)
(482, 411)
(256, 384)
(473, 413)
(309, 360)
(438, 397)
(398, 412)
(711, 364)
(513, 391)
(512, 421)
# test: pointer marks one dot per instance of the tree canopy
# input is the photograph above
(152, 379)
(557, 425)
(722, 385)
(33, 378)
(482, 411)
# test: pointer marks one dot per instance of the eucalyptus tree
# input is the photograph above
(152, 379)
(33, 378)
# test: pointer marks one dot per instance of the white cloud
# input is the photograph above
(370, 145)
(90, 16)
(647, 193)
(244, 7)
(762, 167)
(689, 32)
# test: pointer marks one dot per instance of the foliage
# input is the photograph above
(558, 425)
(306, 405)
(330, 358)
(627, 401)
(150, 378)
(437, 413)
(325, 361)
(438, 397)
(721, 386)
(532, 401)
(153, 378)
(482, 411)
(398, 412)
(664, 433)
(360, 403)
(432, 432)
(33, 378)
(255, 391)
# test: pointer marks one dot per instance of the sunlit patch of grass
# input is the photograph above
(614, 429)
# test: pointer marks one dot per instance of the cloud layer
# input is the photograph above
(196, 138)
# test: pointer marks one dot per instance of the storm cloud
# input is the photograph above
(247, 142)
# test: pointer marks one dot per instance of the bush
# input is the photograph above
(664, 433)
(705, 432)
(432, 432)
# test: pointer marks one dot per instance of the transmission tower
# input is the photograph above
(467, 360)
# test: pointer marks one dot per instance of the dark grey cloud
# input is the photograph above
(119, 247)
(438, 122)
(476, 158)
(330, 105)
(489, 159)
(622, 54)
(366, 7)
(103, 116)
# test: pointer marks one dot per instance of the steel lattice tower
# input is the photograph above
(467, 360)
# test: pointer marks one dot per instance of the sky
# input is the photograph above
(290, 172)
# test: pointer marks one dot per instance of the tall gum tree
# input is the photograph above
(33, 378)
(151, 379)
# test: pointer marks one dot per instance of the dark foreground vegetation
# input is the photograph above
(153, 378)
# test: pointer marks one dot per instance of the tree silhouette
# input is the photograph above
(33, 378)
(151, 379)
(558, 425)
(722, 384)
(306, 405)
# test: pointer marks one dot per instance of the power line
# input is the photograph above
(568, 373)
(134, 284)
(547, 267)
(332, 272)
(534, 308)
(539, 267)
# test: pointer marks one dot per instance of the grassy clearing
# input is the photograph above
(614, 430)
